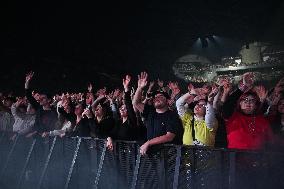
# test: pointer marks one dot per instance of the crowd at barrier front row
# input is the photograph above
(245, 116)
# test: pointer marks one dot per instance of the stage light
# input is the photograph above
(204, 42)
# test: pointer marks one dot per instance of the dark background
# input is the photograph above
(68, 45)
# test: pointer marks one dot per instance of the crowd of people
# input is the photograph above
(218, 114)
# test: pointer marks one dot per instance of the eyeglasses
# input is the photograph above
(159, 96)
(248, 100)
(201, 105)
(122, 109)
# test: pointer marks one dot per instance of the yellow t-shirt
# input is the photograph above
(203, 134)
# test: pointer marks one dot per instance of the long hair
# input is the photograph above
(105, 108)
(246, 94)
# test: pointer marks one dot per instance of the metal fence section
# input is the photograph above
(73, 163)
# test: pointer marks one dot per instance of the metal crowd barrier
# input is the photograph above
(73, 163)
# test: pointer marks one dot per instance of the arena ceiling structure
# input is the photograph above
(72, 44)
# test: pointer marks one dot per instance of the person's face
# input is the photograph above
(160, 101)
(88, 99)
(43, 100)
(248, 104)
(7, 103)
(281, 106)
(79, 109)
(37, 97)
(68, 109)
(199, 108)
(98, 111)
(22, 109)
(123, 111)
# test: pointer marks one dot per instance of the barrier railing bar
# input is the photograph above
(72, 164)
(8, 157)
(46, 163)
(95, 186)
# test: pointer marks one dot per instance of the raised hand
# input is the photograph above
(19, 102)
(87, 112)
(174, 88)
(198, 91)
(116, 94)
(90, 87)
(261, 92)
(190, 87)
(199, 97)
(29, 76)
(280, 82)
(227, 87)
(275, 99)
(142, 80)
(151, 85)
(248, 79)
(213, 93)
(101, 92)
(279, 86)
(109, 144)
(126, 82)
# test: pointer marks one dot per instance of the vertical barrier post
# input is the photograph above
(26, 163)
(193, 172)
(224, 172)
(46, 163)
(136, 169)
(2, 136)
(232, 170)
(177, 167)
(161, 170)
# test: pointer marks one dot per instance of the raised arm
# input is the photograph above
(137, 99)
(210, 118)
(112, 98)
(128, 102)
(29, 95)
(14, 108)
(229, 105)
(181, 102)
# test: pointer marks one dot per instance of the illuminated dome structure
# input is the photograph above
(194, 68)
(266, 61)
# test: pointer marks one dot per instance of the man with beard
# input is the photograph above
(163, 125)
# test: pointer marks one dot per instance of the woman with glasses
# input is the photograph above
(246, 126)
(200, 124)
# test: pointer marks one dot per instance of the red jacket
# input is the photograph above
(241, 136)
